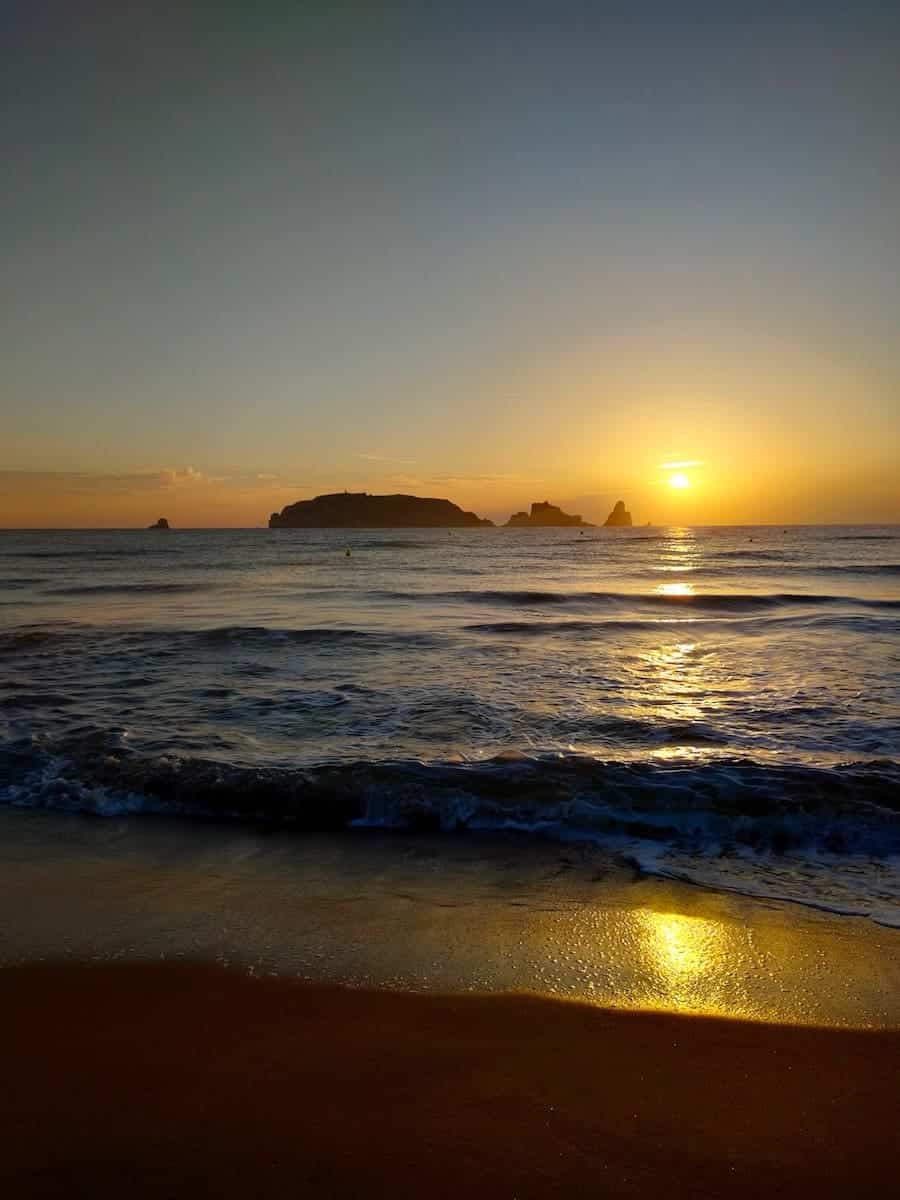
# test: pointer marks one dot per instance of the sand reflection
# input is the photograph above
(687, 959)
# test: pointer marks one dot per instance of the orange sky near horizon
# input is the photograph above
(190, 498)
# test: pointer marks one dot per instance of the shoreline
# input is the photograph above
(173, 1080)
(430, 913)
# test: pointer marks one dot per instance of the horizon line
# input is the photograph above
(365, 528)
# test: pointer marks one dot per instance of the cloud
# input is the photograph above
(83, 481)
(384, 458)
(491, 479)
(176, 476)
(163, 480)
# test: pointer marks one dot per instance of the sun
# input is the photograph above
(679, 480)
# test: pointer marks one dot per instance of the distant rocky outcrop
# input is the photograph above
(162, 523)
(620, 516)
(359, 510)
(543, 514)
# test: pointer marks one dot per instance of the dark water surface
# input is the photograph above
(721, 704)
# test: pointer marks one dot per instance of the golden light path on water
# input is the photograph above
(681, 678)
(680, 551)
(675, 589)
(681, 961)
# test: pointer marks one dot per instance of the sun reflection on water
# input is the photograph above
(675, 589)
(675, 680)
(680, 551)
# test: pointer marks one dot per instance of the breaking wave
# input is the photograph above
(849, 807)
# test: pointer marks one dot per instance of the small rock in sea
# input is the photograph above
(620, 516)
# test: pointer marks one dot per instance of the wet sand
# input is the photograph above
(181, 1080)
(431, 914)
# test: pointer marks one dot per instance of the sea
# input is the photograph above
(716, 705)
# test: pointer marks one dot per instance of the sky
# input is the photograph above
(493, 252)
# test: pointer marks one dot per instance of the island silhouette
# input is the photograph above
(359, 510)
(544, 514)
(162, 523)
(620, 516)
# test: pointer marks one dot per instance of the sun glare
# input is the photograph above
(679, 480)
(675, 589)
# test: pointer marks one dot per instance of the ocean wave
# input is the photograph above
(867, 537)
(78, 637)
(24, 640)
(710, 805)
(860, 569)
(20, 640)
(22, 700)
(765, 555)
(516, 598)
(844, 885)
(726, 602)
(93, 553)
(626, 539)
(140, 589)
(263, 635)
(389, 543)
(649, 731)
(527, 629)
(751, 626)
(704, 572)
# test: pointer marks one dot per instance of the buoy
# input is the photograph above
(347, 552)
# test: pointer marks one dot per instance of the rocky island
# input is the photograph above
(359, 510)
(544, 514)
(619, 517)
(162, 523)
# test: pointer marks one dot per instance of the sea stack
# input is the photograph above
(619, 517)
(359, 510)
(162, 523)
(544, 514)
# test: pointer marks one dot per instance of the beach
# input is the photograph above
(190, 1008)
(149, 1080)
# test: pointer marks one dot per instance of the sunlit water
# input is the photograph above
(720, 704)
